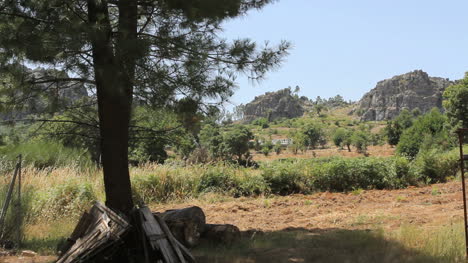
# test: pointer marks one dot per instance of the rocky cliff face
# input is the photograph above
(274, 105)
(408, 91)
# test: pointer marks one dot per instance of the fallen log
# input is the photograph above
(186, 224)
(225, 234)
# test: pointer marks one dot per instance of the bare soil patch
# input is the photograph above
(430, 206)
(315, 219)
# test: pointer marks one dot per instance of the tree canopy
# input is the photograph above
(456, 103)
(148, 52)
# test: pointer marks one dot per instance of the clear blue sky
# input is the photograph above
(345, 47)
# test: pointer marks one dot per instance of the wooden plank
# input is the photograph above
(103, 229)
(187, 255)
(171, 238)
(156, 236)
(80, 229)
(82, 226)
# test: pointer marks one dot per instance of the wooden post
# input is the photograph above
(19, 212)
(460, 133)
(6, 204)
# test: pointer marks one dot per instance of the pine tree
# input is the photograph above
(152, 51)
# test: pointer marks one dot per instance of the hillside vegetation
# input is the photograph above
(211, 158)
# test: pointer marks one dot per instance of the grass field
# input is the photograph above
(302, 222)
(419, 224)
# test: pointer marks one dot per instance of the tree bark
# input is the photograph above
(114, 75)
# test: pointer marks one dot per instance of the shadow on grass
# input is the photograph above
(301, 245)
(44, 246)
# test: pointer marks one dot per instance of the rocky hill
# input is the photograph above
(408, 91)
(274, 105)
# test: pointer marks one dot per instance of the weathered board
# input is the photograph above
(96, 231)
(160, 239)
(182, 251)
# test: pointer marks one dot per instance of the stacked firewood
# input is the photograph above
(102, 235)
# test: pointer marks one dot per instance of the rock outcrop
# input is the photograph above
(408, 91)
(275, 105)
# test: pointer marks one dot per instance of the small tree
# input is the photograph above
(235, 143)
(395, 128)
(278, 147)
(340, 136)
(456, 103)
(211, 139)
(432, 124)
(319, 108)
(348, 141)
(360, 140)
(314, 135)
(267, 147)
(299, 142)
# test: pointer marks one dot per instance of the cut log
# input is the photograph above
(225, 234)
(186, 224)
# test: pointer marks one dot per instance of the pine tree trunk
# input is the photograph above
(114, 142)
(114, 74)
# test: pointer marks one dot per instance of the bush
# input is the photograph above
(360, 140)
(340, 137)
(277, 148)
(11, 226)
(252, 185)
(42, 154)
(219, 180)
(433, 125)
(69, 199)
(435, 167)
(262, 122)
(285, 178)
(167, 184)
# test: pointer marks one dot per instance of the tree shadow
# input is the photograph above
(317, 245)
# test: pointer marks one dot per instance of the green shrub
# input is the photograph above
(285, 178)
(430, 129)
(218, 179)
(252, 185)
(69, 199)
(360, 140)
(433, 166)
(42, 154)
(164, 185)
(13, 218)
(340, 174)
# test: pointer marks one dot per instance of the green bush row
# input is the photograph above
(42, 154)
(165, 183)
(297, 176)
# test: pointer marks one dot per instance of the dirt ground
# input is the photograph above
(36, 259)
(429, 206)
